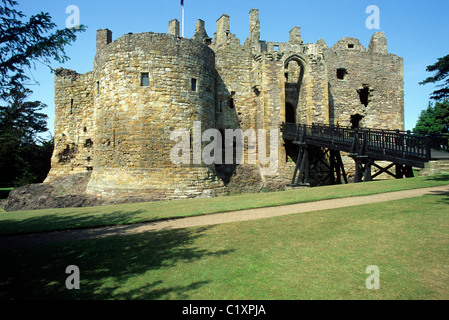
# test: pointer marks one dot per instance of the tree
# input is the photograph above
(434, 119)
(21, 117)
(23, 42)
(24, 156)
(441, 69)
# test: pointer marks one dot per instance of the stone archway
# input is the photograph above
(294, 69)
(290, 113)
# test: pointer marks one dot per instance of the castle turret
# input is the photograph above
(104, 37)
(295, 36)
(173, 27)
(223, 30)
(254, 26)
(378, 43)
(201, 34)
(166, 84)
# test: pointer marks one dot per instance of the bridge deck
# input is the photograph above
(400, 147)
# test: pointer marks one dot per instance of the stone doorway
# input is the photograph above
(290, 113)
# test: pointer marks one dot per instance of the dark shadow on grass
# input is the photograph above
(439, 177)
(72, 220)
(143, 266)
(443, 196)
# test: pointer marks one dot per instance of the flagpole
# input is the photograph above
(183, 19)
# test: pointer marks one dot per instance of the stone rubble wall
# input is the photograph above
(379, 72)
(134, 122)
(74, 124)
(107, 122)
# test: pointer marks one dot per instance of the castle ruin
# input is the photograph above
(116, 120)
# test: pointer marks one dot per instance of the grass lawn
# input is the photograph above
(57, 219)
(319, 255)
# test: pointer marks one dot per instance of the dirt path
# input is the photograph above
(19, 241)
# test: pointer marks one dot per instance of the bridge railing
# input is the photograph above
(398, 144)
(438, 141)
(384, 144)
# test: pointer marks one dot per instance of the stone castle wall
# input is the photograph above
(365, 82)
(116, 121)
(74, 123)
(135, 119)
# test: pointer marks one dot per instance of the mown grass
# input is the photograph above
(70, 218)
(319, 255)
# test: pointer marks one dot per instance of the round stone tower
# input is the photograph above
(147, 86)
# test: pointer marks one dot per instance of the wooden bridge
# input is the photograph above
(404, 150)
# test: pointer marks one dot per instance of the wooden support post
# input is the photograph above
(332, 167)
(358, 171)
(337, 169)
(340, 164)
(399, 171)
(408, 171)
(298, 163)
(306, 181)
(367, 170)
(301, 174)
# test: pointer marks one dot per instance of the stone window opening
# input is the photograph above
(89, 143)
(355, 121)
(276, 48)
(364, 95)
(220, 106)
(144, 79)
(341, 73)
(194, 84)
(98, 87)
(71, 106)
(231, 101)
(350, 46)
(256, 90)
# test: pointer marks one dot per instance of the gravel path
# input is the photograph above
(11, 242)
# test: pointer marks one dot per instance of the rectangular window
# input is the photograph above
(231, 102)
(98, 87)
(144, 79)
(276, 48)
(341, 73)
(71, 106)
(351, 46)
(193, 84)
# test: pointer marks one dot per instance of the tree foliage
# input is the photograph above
(434, 119)
(24, 156)
(25, 41)
(441, 78)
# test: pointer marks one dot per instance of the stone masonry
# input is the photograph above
(116, 121)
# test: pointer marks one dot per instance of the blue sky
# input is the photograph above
(416, 30)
